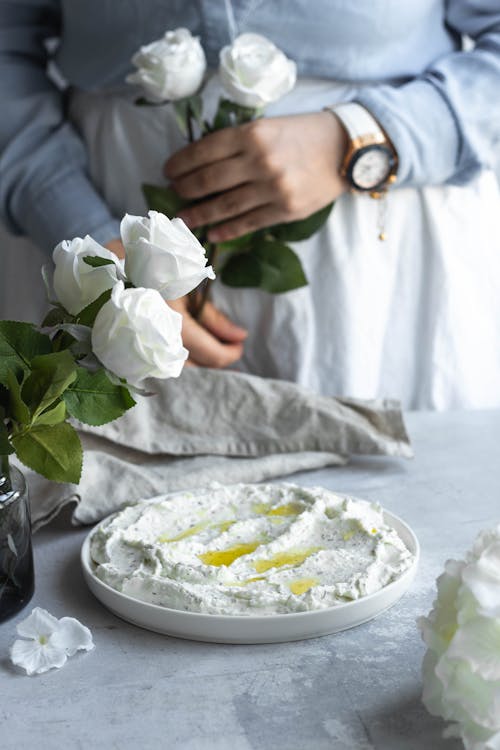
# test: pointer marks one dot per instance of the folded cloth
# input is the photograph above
(213, 425)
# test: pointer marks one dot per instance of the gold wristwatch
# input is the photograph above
(370, 162)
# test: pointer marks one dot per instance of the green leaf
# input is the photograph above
(238, 243)
(281, 268)
(230, 114)
(19, 343)
(163, 199)
(18, 410)
(296, 231)
(51, 375)
(196, 108)
(5, 447)
(55, 316)
(181, 112)
(87, 316)
(53, 416)
(242, 270)
(54, 451)
(96, 261)
(269, 265)
(95, 400)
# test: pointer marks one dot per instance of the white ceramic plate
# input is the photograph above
(254, 628)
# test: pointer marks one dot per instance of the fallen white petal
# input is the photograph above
(71, 636)
(50, 641)
(36, 657)
(38, 623)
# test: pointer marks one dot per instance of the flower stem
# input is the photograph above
(200, 295)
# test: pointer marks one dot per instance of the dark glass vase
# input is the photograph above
(16, 555)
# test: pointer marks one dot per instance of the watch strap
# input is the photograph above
(358, 122)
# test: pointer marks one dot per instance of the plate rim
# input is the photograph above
(411, 542)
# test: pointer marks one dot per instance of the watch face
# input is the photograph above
(370, 167)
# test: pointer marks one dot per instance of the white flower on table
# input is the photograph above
(461, 669)
(254, 72)
(170, 68)
(47, 642)
(163, 254)
(77, 284)
(136, 335)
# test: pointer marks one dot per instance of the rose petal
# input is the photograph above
(467, 696)
(35, 657)
(38, 623)
(483, 579)
(478, 643)
(71, 636)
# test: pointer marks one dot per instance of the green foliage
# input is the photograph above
(19, 343)
(296, 231)
(54, 451)
(230, 114)
(18, 410)
(163, 199)
(54, 415)
(185, 110)
(88, 315)
(50, 375)
(96, 261)
(94, 399)
(268, 265)
(55, 316)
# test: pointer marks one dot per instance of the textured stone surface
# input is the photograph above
(357, 690)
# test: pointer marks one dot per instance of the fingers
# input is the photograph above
(220, 325)
(212, 148)
(205, 349)
(235, 202)
(214, 178)
(258, 218)
(203, 344)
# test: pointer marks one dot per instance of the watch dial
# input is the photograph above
(371, 168)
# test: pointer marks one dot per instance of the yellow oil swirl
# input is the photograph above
(289, 509)
(294, 557)
(228, 556)
(192, 530)
(301, 585)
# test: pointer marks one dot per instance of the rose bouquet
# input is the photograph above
(461, 669)
(253, 73)
(108, 330)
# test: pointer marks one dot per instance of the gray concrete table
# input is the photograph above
(356, 690)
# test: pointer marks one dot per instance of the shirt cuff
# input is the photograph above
(422, 128)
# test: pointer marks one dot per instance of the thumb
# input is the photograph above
(220, 325)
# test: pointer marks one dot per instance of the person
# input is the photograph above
(415, 316)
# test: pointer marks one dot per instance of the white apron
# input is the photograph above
(416, 317)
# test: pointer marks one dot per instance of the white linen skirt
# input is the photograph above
(415, 317)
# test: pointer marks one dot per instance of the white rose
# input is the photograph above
(170, 68)
(76, 284)
(163, 254)
(461, 669)
(254, 72)
(137, 336)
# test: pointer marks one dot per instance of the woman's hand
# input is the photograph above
(266, 172)
(213, 341)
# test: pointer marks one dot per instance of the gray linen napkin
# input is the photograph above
(212, 425)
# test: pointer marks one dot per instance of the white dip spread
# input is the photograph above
(249, 549)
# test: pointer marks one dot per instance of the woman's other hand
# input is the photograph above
(213, 340)
(269, 171)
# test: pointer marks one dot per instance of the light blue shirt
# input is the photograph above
(439, 105)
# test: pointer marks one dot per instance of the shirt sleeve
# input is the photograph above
(44, 188)
(445, 124)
